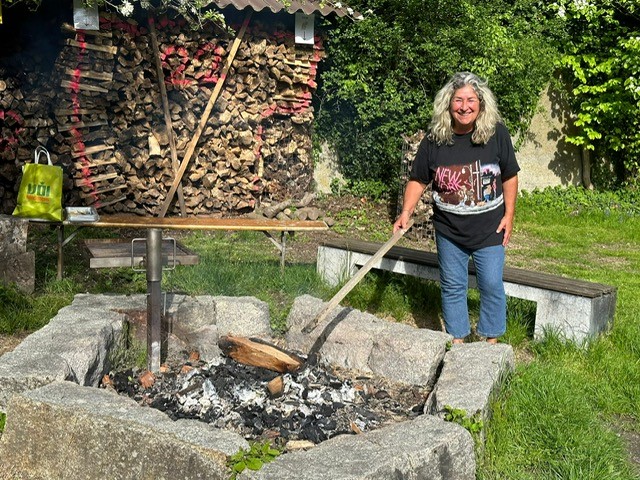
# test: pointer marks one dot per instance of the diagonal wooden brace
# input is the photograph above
(205, 117)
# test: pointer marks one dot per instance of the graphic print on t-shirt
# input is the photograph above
(467, 189)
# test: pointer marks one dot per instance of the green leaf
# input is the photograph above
(254, 464)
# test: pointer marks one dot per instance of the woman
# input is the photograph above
(469, 159)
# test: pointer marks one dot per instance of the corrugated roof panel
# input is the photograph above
(306, 6)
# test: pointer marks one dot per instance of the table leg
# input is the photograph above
(60, 245)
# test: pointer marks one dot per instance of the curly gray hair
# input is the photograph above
(441, 127)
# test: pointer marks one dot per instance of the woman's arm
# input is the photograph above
(412, 194)
(510, 193)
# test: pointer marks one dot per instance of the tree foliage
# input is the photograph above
(601, 58)
(385, 70)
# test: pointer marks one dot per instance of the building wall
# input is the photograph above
(545, 157)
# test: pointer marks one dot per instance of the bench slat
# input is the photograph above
(512, 275)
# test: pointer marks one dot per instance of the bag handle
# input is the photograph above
(40, 150)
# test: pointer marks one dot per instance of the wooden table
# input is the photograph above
(264, 225)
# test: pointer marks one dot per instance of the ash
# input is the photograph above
(316, 403)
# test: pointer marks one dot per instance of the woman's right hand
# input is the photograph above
(402, 221)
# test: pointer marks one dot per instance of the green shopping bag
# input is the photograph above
(40, 193)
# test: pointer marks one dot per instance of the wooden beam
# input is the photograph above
(82, 86)
(175, 163)
(71, 126)
(95, 163)
(96, 178)
(67, 27)
(90, 46)
(104, 76)
(205, 117)
(65, 112)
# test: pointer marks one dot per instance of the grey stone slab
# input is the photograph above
(13, 234)
(472, 372)
(73, 346)
(66, 431)
(424, 448)
(361, 341)
(408, 354)
(242, 316)
(19, 268)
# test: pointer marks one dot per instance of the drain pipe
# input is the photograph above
(154, 298)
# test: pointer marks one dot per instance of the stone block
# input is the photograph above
(64, 430)
(423, 448)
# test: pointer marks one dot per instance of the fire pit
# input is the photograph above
(316, 403)
(92, 433)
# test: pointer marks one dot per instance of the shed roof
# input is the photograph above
(306, 6)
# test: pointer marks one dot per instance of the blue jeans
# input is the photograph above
(453, 261)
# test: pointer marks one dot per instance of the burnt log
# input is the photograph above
(258, 354)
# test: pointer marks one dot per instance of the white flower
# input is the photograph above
(561, 12)
(126, 8)
(338, 5)
(350, 10)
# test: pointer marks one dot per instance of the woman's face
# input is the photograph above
(465, 106)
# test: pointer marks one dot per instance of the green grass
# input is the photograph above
(557, 416)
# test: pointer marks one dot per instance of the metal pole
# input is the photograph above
(154, 296)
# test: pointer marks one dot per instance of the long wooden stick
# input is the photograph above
(167, 115)
(205, 116)
(337, 298)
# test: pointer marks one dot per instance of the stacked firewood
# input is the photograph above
(25, 123)
(423, 225)
(85, 98)
(255, 145)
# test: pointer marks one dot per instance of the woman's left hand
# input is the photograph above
(506, 225)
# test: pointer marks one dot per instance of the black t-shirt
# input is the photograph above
(467, 185)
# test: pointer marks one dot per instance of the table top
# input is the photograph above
(203, 223)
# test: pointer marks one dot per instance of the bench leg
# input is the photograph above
(334, 265)
(572, 317)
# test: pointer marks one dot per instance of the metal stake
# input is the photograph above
(154, 299)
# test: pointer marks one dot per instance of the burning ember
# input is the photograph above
(312, 404)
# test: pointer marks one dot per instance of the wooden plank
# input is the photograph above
(353, 281)
(519, 276)
(102, 203)
(95, 163)
(208, 223)
(205, 117)
(109, 252)
(101, 191)
(90, 46)
(65, 112)
(95, 178)
(175, 164)
(104, 76)
(91, 150)
(67, 27)
(71, 126)
(82, 86)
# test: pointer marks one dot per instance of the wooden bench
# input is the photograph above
(576, 309)
(181, 223)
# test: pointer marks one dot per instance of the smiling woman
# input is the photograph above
(469, 159)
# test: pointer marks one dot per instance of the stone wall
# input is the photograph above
(545, 157)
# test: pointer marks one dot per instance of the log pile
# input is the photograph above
(255, 146)
(423, 226)
(100, 114)
(25, 99)
(85, 72)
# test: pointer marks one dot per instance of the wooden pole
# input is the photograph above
(205, 117)
(167, 115)
(337, 298)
